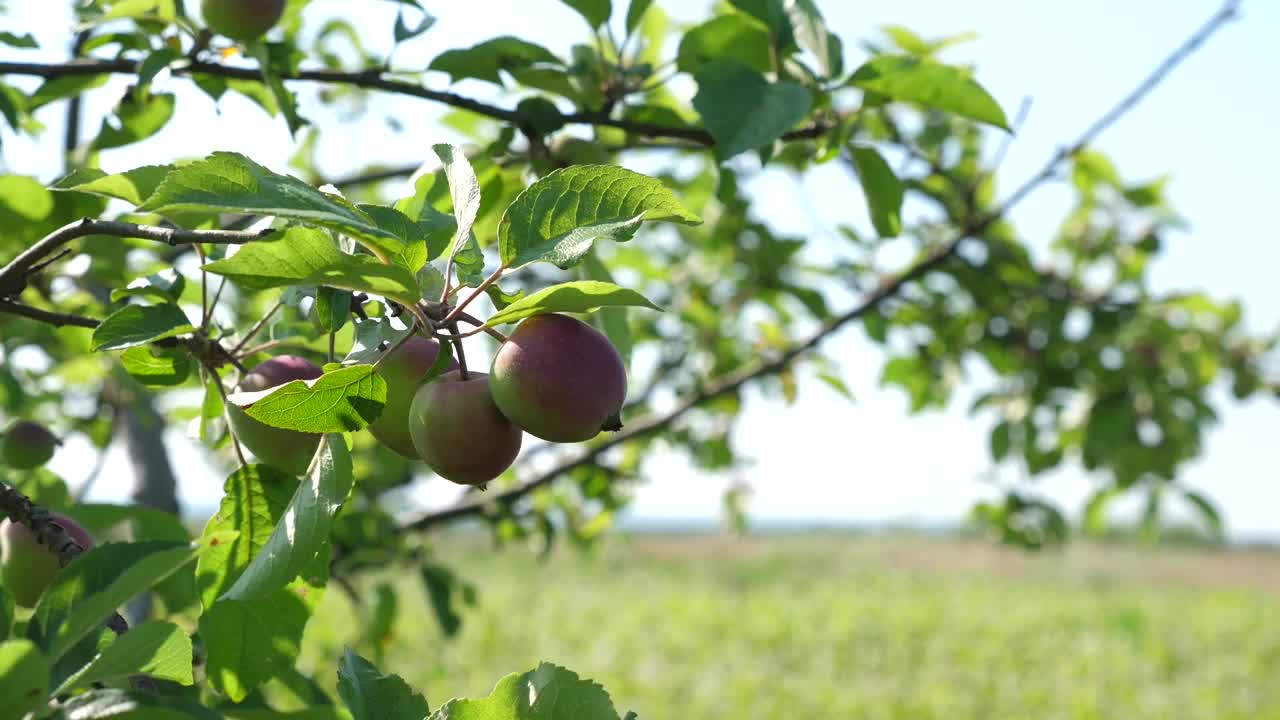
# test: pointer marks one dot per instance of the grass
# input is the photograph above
(845, 627)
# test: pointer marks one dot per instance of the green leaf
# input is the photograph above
(742, 110)
(280, 260)
(178, 591)
(138, 120)
(363, 273)
(240, 712)
(87, 591)
(115, 704)
(1207, 511)
(774, 17)
(442, 588)
(332, 308)
(483, 61)
(230, 182)
(501, 299)
(27, 42)
(155, 62)
(404, 32)
(557, 218)
(1000, 441)
(416, 235)
(254, 499)
(464, 191)
(7, 613)
(612, 321)
(371, 695)
(305, 256)
(635, 12)
(469, 263)
(165, 286)
(372, 338)
(212, 422)
(343, 400)
(812, 34)
(64, 87)
(1095, 510)
(595, 12)
(155, 648)
(571, 297)
(139, 324)
(911, 42)
(272, 58)
(13, 106)
(931, 84)
(133, 186)
(26, 677)
(836, 383)
(252, 641)
(882, 189)
(440, 365)
(549, 692)
(303, 531)
(156, 367)
(728, 36)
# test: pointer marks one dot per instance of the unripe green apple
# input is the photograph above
(403, 370)
(242, 20)
(27, 445)
(559, 379)
(459, 432)
(26, 566)
(287, 450)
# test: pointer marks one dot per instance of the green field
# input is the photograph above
(845, 627)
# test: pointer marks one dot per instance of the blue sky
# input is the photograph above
(1211, 125)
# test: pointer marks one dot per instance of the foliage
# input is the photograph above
(174, 279)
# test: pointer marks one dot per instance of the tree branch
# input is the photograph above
(374, 80)
(475, 505)
(44, 316)
(13, 276)
(19, 508)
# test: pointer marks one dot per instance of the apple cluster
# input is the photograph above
(556, 378)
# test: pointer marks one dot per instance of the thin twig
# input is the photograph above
(413, 329)
(473, 320)
(257, 327)
(226, 415)
(888, 289)
(217, 295)
(204, 287)
(272, 345)
(456, 312)
(71, 136)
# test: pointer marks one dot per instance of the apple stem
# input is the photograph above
(459, 352)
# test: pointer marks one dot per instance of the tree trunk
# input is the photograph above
(142, 430)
